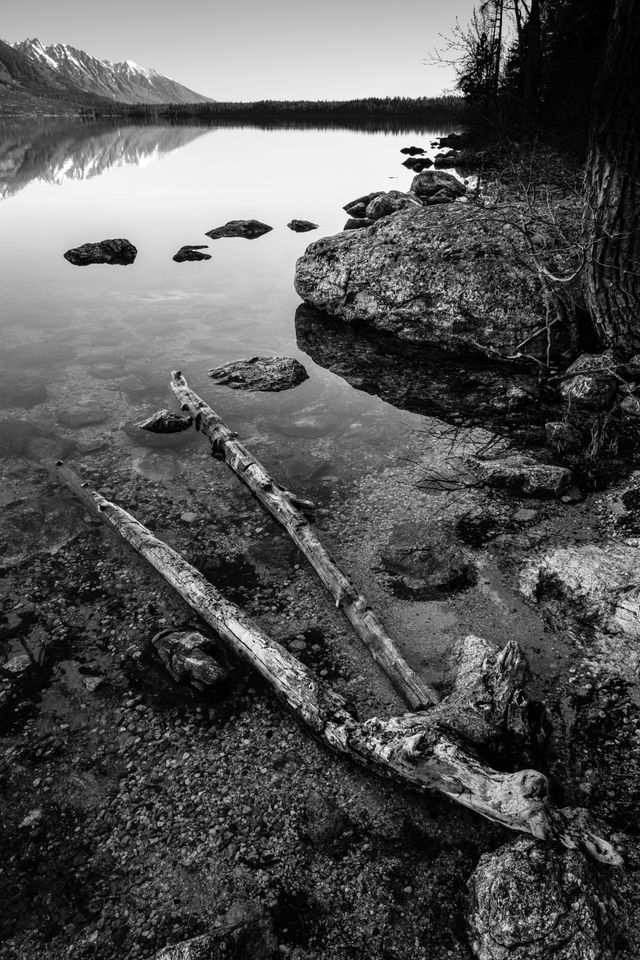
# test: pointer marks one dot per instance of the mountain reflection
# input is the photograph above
(67, 150)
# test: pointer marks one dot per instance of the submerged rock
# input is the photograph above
(117, 251)
(423, 564)
(302, 226)
(537, 901)
(249, 229)
(590, 382)
(82, 416)
(191, 252)
(260, 373)
(521, 474)
(388, 203)
(164, 421)
(430, 275)
(358, 207)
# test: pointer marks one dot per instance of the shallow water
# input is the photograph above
(69, 333)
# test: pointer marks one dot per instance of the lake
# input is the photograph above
(111, 335)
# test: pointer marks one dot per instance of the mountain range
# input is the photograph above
(62, 79)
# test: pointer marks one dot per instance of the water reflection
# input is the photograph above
(70, 150)
(455, 390)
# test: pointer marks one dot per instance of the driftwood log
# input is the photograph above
(427, 751)
(288, 509)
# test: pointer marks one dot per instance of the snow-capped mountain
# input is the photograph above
(126, 81)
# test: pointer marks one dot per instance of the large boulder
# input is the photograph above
(117, 251)
(260, 373)
(443, 276)
(537, 901)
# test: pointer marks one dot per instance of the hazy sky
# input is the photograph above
(258, 49)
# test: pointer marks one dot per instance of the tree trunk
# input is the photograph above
(612, 188)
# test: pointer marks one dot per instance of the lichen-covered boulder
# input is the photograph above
(536, 901)
(444, 276)
(117, 251)
(260, 373)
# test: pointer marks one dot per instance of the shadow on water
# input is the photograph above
(465, 390)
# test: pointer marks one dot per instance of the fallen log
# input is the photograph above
(288, 511)
(424, 751)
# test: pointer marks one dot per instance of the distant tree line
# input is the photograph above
(423, 110)
(531, 65)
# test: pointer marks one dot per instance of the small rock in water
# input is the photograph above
(164, 421)
(249, 229)
(302, 226)
(191, 252)
(82, 416)
(417, 164)
(117, 251)
(412, 151)
(260, 373)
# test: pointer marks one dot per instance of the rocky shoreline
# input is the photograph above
(139, 814)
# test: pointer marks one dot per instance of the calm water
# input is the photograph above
(81, 331)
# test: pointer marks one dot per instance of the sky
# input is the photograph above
(259, 49)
